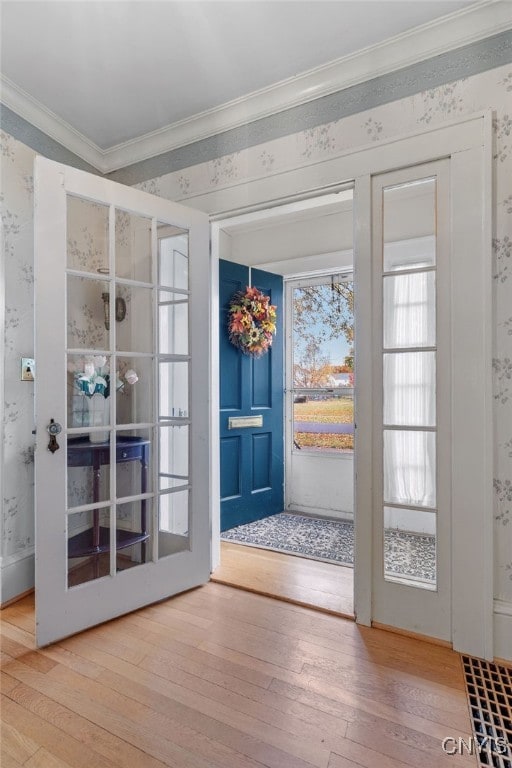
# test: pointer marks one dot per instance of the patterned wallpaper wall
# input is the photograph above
(16, 199)
(491, 89)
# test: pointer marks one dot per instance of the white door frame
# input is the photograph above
(468, 142)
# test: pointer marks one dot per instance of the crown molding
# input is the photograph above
(35, 113)
(442, 35)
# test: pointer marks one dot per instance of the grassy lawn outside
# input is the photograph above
(325, 441)
(333, 411)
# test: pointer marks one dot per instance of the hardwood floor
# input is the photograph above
(220, 678)
(311, 583)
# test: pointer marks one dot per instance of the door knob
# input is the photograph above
(53, 430)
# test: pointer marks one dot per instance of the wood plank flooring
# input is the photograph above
(220, 678)
(310, 583)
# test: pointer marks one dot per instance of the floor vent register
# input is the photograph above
(489, 688)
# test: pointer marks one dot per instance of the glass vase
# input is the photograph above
(99, 416)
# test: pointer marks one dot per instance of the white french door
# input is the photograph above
(122, 454)
(430, 370)
(412, 369)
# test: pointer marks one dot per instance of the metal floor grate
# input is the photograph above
(489, 688)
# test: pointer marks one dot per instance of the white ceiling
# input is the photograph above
(115, 71)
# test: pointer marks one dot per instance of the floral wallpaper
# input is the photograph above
(492, 89)
(16, 201)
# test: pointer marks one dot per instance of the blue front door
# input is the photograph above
(251, 458)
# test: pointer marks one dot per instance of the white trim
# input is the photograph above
(278, 208)
(17, 574)
(15, 557)
(310, 177)
(312, 274)
(214, 500)
(363, 401)
(32, 110)
(503, 608)
(503, 630)
(472, 339)
(444, 34)
(487, 401)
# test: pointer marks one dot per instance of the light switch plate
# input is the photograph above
(28, 369)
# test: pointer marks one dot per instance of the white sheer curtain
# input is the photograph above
(410, 310)
(409, 389)
(410, 467)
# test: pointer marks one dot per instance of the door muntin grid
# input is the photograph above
(409, 382)
(116, 278)
(174, 391)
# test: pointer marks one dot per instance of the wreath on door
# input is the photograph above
(252, 322)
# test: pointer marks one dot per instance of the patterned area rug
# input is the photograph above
(406, 554)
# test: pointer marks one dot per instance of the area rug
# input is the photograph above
(406, 554)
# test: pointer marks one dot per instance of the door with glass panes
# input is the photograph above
(412, 363)
(122, 416)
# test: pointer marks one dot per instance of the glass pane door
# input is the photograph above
(119, 269)
(412, 516)
(173, 386)
(409, 381)
(110, 390)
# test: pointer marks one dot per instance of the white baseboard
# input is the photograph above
(16, 575)
(503, 629)
(328, 514)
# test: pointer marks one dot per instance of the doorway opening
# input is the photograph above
(303, 391)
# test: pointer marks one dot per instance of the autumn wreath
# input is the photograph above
(252, 322)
